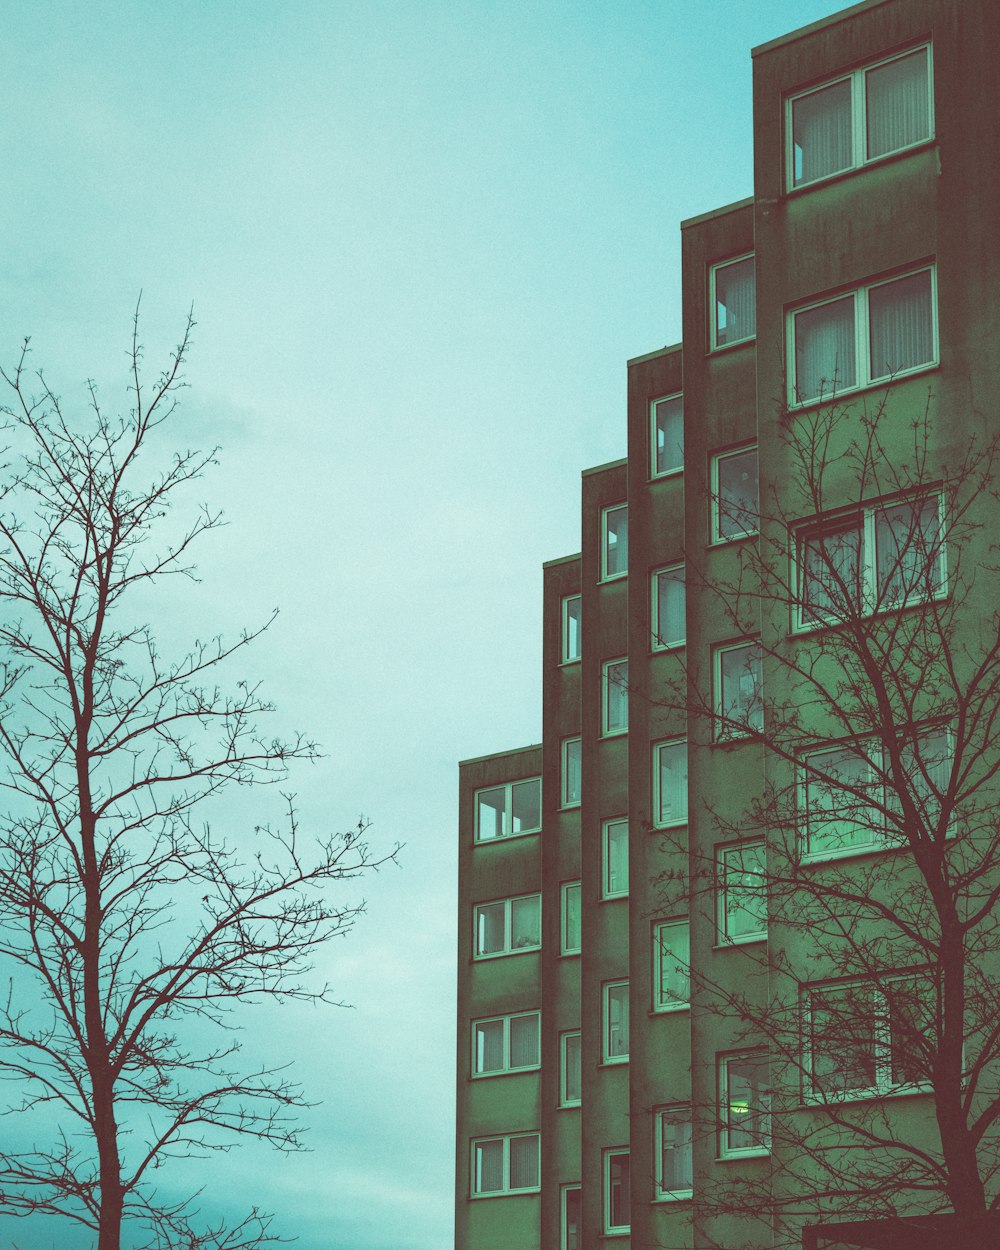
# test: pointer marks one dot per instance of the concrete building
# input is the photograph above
(606, 1079)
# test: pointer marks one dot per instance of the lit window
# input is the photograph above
(571, 772)
(871, 113)
(674, 1153)
(572, 619)
(505, 1165)
(505, 1044)
(885, 556)
(745, 1105)
(735, 495)
(510, 809)
(508, 926)
(617, 1192)
(667, 420)
(572, 1211)
(742, 893)
(733, 301)
(569, 1068)
(668, 609)
(671, 965)
(739, 702)
(614, 696)
(571, 918)
(873, 334)
(614, 542)
(616, 1022)
(670, 783)
(615, 857)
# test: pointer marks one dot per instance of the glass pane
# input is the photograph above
(908, 552)
(902, 325)
(491, 818)
(491, 928)
(489, 1046)
(741, 702)
(821, 133)
(898, 104)
(840, 814)
(735, 302)
(524, 1041)
(927, 764)
(571, 1067)
(526, 922)
(619, 1191)
(571, 1239)
(617, 1021)
(526, 805)
(744, 891)
(677, 1162)
(831, 574)
(571, 918)
(616, 858)
(673, 953)
(615, 541)
(913, 1031)
(668, 421)
(738, 498)
(825, 350)
(572, 771)
(616, 697)
(749, 1103)
(672, 773)
(669, 622)
(571, 627)
(524, 1162)
(488, 1167)
(843, 1038)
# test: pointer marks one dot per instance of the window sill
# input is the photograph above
(507, 1193)
(507, 837)
(618, 1061)
(564, 663)
(487, 1076)
(793, 193)
(569, 1106)
(715, 541)
(681, 1195)
(866, 1095)
(737, 1156)
(613, 577)
(617, 1232)
(673, 1010)
(718, 348)
(665, 475)
(796, 406)
(614, 733)
(666, 647)
(613, 898)
(521, 950)
(670, 826)
(756, 939)
(800, 628)
(570, 807)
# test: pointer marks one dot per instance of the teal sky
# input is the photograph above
(421, 237)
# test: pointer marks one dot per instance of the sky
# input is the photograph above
(421, 239)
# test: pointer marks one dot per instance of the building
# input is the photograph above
(616, 900)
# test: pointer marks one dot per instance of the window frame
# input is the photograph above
(864, 378)
(506, 1139)
(615, 1152)
(564, 891)
(740, 1152)
(660, 1192)
(657, 642)
(607, 1058)
(606, 826)
(508, 1068)
(657, 812)
(717, 538)
(605, 549)
(565, 801)
(606, 683)
(564, 650)
(564, 1099)
(664, 1004)
(713, 310)
(735, 732)
(859, 119)
(656, 474)
(508, 927)
(722, 909)
(564, 1191)
(508, 788)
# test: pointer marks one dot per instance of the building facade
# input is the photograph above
(628, 936)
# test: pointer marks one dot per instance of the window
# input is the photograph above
(505, 1165)
(572, 1206)
(617, 1192)
(508, 926)
(862, 117)
(884, 556)
(739, 703)
(674, 1151)
(616, 1022)
(505, 1044)
(667, 420)
(614, 542)
(614, 692)
(670, 783)
(742, 893)
(735, 495)
(571, 772)
(870, 1038)
(878, 332)
(570, 944)
(569, 1069)
(744, 1105)
(615, 858)
(572, 619)
(733, 301)
(668, 608)
(508, 810)
(671, 965)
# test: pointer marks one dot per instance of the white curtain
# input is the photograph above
(824, 349)
(524, 1041)
(670, 611)
(617, 835)
(831, 565)
(491, 929)
(489, 1046)
(736, 304)
(489, 1167)
(821, 132)
(678, 1139)
(524, 1162)
(669, 434)
(902, 328)
(898, 104)
(673, 783)
(675, 958)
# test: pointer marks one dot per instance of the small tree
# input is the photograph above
(126, 922)
(878, 715)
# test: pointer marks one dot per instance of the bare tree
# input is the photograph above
(127, 924)
(871, 688)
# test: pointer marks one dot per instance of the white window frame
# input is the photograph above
(564, 1039)
(565, 890)
(614, 1153)
(566, 656)
(508, 928)
(659, 642)
(566, 800)
(713, 309)
(717, 537)
(564, 1192)
(859, 119)
(865, 378)
(654, 472)
(663, 930)
(726, 1151)
(606, 890)
(508, 1067)
(661, 1193)
(864, 520)
(506, 1139)
(605, 550)
(735, 732)
(606, 684)
(606, 1043)
(722, 892)
(676, 821)
(508, 788)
